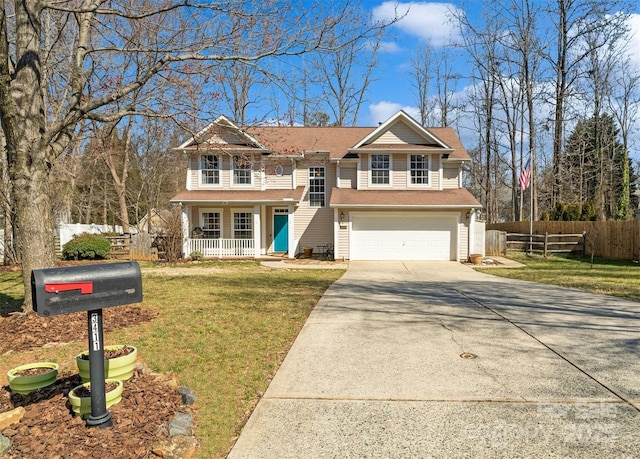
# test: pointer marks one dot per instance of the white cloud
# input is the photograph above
(389, 47)
(382, 111)
(634, 42)
(431, 21)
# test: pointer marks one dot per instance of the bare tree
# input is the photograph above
(344, 74)
(61, 63)
(572, 21)
(421, 70)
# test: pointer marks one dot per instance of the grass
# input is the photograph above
(223, 334)
(610, 277)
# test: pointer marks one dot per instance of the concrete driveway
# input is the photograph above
(432, 359)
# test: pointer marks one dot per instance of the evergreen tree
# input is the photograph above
(596, 169)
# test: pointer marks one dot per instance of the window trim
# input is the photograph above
(237, 211)
(201, 171)
(411, 170)
(323, 178)
(235, 168)
(211, 210)
(388, 170)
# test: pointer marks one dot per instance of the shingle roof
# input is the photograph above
(349, 197)
(337, 141)
(237, 196)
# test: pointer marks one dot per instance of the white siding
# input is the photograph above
(314, 225)
(274, 181)
(400, 174)
(450, 176)
(400, 133)
(194, 165)
(463, 243)
(348, 175)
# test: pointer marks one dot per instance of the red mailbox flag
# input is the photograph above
(84, 287)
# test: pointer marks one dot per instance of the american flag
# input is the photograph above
(525, 176)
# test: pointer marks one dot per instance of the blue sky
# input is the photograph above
(424, 21)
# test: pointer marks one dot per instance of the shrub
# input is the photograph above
(196, 255)
(86, 246)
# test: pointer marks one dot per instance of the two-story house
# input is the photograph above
(371, 193)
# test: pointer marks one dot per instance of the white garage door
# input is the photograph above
(403, 236)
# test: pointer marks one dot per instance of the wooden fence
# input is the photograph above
(547, 243)
(611, 239)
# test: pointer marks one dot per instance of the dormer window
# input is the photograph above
(209, 170)
(242, 170)
(380, 168)
(419, 166)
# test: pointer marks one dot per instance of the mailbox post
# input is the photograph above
(88, 288)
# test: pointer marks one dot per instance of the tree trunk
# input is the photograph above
(23, 121)
(33, 221)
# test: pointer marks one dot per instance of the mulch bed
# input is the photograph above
(21, 332)
(50, 430)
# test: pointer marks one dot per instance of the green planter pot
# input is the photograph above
(116, 368)
(25, 384)
(82, 405)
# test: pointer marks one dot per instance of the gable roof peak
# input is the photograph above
(224, 123)
(401, 117)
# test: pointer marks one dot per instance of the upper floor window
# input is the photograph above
(209, 170)
(419, 167)
(211, 224)
(242, 170)
(317, 186)
(242, 225)
(380, 168)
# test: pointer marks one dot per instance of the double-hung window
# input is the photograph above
(317, 186)
(242, 169)
(211, 224)
(209, 170)
(243, 225)
(380, 167)
(419, 167)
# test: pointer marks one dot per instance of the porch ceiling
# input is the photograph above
(240, 196)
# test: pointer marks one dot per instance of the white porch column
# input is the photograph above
(263, 230)
(184, 223)
(257, 233)
(291, 236)
(336, 233)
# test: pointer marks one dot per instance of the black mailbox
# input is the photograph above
(88, 288)
(85, 288)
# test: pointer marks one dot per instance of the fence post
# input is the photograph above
(546, 241)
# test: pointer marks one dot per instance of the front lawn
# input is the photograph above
(610, 277)
(223, 330)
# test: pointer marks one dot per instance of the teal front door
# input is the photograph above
(280, 233)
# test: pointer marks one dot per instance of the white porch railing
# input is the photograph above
(221, 248)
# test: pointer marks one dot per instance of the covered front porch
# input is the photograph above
(222, 224)
(221, 248)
